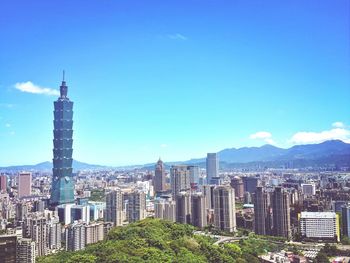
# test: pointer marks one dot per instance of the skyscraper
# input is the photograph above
(62, 190)
(159, 177)
(25, 250)
(136, 206)
(24, 184)
(198, 210)
(180, 179)
(345, 213)
(250, 183)
(183, 208)
(281, 213)
(212, 167)
(3, 183)
(224, 208)
(114, 207)
(262, 217)
(237, 184)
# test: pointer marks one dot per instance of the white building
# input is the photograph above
(165, 209)
(308, 189)
(319, 225)
(212, 167)
(224, 208)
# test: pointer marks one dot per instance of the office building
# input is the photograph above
(64, 213)
(237, 184)
(345, 213)
(194, 176)
(183, 208)
(212, 167)
(62, 189)
(208, 193)
(136, 206)
(25, 250)
(3, 183)
(159, 177)
(80, 213)
(24, 184)
(320, 225)
(281, 213)
(8, 248)
(114, 207)
(198, 210)
(262, 216)
(75, 237)
(224, 208)
(250, 184)
(180, 179)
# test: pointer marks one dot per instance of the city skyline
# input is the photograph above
(146, 88)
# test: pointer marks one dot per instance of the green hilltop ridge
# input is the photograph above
(155, 240)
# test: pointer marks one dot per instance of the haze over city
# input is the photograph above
(175, 80)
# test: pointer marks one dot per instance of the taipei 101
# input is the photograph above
(194, 131)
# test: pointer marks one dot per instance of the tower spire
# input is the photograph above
(63, 87)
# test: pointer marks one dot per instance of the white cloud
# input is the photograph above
(163, 145)
(32, 88)
(177, 36)
(338, 124)
(7, 125)
(262, 135)
(318, 137)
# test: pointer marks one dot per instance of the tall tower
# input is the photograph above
(62, 190)
(224, 208)
(281, 213)
(262, 221)
(159, 177)
(212, 167)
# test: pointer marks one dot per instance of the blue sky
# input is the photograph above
(174, 79)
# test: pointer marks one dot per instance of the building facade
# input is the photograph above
(262, 216)
(281, 213)
(24, 184)
(212, 167)
(180, 179)
(114, 207)
(159, 177)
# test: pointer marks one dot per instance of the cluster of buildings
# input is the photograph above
(42, 213)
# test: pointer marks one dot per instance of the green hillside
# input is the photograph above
(153, 240)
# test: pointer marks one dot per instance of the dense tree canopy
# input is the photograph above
(154, 240)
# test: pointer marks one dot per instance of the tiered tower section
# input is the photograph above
(62, 191)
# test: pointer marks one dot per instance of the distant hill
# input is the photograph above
(329, 153)
(47, 166)
(334, 153)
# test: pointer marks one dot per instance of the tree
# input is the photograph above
(321, 258)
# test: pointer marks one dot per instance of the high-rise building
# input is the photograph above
(54, 233)
(194, 176)
(345, 214)
(165, 209)
(159, 177)
(94, 233)
(62, 190)
(212, 167)
(25, 250)
(237, 184)
(24, 184)
(224, 208)
(250, 183)
(75, 237)
(64, 213)
(3, 183)
(114, 207)
(281, 213)
(183, 208)
(136, 206)
(36, 228)
(320, 225)
(180, 179)
(208, 193)
(262, 216)
(8, 248)
(198, 210)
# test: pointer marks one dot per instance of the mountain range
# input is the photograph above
(333, 153)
